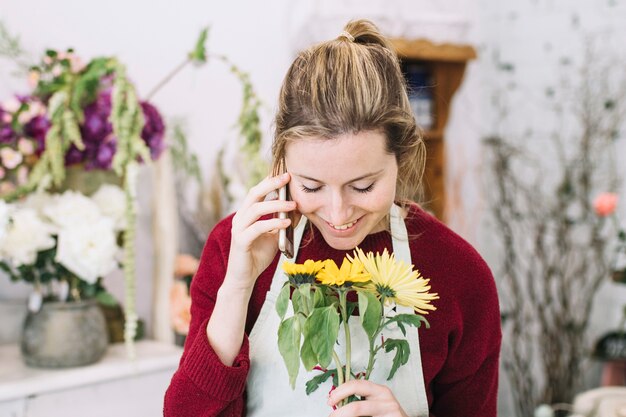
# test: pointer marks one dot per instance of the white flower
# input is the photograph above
(88, 252)
(37, 201)
(26, 235)
(112, 203)
(72, 209)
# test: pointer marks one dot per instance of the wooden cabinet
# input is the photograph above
(445, 64)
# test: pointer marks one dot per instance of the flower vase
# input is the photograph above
(78, 178)
(64, 334)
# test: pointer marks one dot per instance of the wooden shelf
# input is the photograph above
(425, 50)
(446, 64)
(433, 135)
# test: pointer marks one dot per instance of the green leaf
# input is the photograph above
(106, 299)
(313, 384)
(370, 312)
(305, 290)
(414, 320)
(296, 301)
(319, 300)
(309, 358)
(289, 347)
(283, 301)
(198, 55)
(402, 349)
(321, 328)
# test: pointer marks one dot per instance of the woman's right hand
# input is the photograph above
(254, 242)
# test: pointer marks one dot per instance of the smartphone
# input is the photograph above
(285, 236)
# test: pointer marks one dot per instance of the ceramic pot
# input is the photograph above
(64, 334)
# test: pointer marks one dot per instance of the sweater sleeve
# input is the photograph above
(467, 384)
(203, 385)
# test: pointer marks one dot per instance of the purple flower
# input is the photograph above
(153, 130)
(100, 157)
(73, 156)
(37, 128)
(97, 134)
(96, 126)
(7, 135)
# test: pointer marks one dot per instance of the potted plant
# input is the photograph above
(80, 127)
(63, 244)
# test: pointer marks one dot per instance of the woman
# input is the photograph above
(353, 156)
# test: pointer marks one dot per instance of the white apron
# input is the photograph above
(268, 390)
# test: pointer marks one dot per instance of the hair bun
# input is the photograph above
(364, 31)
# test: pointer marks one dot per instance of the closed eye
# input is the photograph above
(364, 190)
(310, 190)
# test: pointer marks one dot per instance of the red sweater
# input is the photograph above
(459, 351)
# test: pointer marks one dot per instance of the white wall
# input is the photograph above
(151, 37)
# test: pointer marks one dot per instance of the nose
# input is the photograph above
(340, 209)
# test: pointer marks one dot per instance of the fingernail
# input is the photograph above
(284, 176)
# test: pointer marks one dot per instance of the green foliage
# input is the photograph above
(289, 334)
(183, 160)
(9, 45)
(402, 349)
(283, 301)
(370, 310)
(319, 299)
(199, 55)
(87, 83)
(321, 329)
(127, 120)
(414, 320)
(106, 299)
(313, 384)
(309, 358)
(249, 127)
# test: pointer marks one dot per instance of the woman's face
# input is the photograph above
(345, 186)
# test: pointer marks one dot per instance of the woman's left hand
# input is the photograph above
(378, 400)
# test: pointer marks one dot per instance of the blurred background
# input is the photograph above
(522, 105)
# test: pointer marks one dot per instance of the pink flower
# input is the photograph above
(22, 175)
(25, 146)
(185, 265)
(33, 79)
(10, 158)
(605, 204)
(180, 307)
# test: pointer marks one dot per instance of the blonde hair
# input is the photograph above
(348, 85)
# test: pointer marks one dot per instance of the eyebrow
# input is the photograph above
(371, 174)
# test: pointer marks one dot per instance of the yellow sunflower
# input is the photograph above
(350, 272)
(396, 281)
(305, 273)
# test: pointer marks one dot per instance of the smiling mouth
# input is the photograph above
(344, 226)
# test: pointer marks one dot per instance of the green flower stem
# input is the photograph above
(339, 374)
(167, 78)
(343, 295)
(374, 350)
(130, 323)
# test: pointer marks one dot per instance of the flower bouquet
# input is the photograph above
(81, 120)
(63, 244)
(318, 292)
